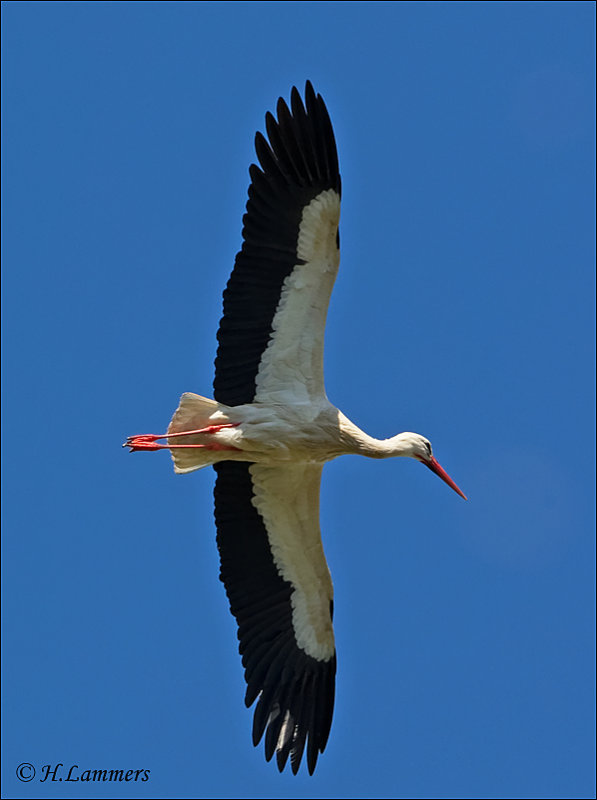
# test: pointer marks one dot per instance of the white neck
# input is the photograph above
(358, 442)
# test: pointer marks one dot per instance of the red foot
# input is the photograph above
(141, 443)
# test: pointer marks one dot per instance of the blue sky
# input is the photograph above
(463, 311)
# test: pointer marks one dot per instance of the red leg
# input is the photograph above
(147, 441)
(140, 445)
(209, 429)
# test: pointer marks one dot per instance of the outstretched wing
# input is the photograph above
(275, 304)
(280, 591)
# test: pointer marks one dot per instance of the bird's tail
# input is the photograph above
(193, 413)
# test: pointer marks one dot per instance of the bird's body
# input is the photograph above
(310, 433)
(271, 428)
(298, 433)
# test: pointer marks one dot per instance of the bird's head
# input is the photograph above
(416, 446)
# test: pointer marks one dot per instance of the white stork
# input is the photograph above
(271, 428)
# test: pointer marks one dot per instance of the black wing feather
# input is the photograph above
(278, 672)
(298, 163)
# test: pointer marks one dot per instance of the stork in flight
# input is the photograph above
(271, 428)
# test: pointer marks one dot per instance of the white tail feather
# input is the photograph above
(193, 412)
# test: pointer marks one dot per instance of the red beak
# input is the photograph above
(434, 466)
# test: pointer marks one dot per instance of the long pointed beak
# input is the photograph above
(436, 467)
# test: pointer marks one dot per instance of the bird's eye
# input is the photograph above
(428, 446)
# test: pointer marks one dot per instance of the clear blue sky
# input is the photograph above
(463, 311)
